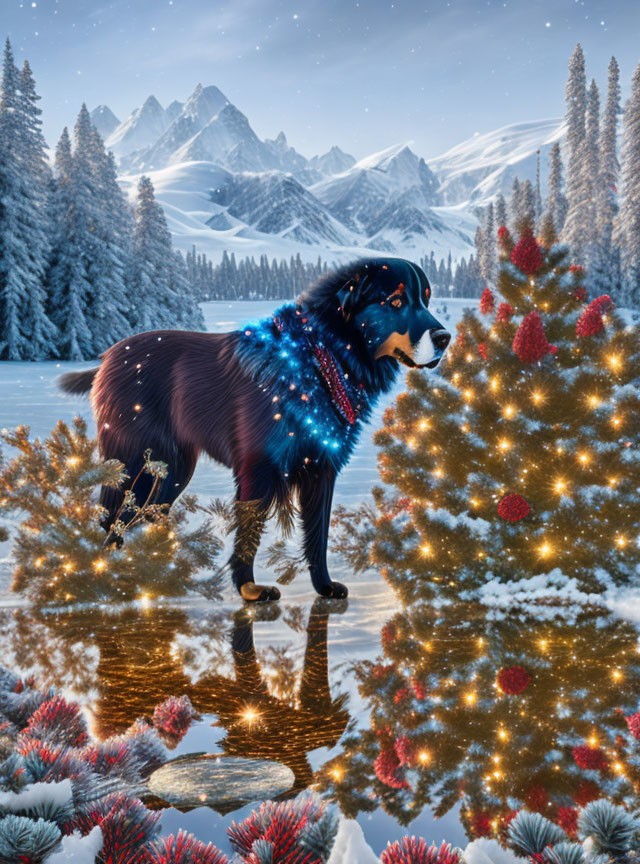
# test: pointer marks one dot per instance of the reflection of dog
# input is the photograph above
(136, 671)
(280, 403)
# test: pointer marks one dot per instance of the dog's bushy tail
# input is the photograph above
(77, 382)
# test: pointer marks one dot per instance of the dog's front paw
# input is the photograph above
(334, 591)
(259, 593)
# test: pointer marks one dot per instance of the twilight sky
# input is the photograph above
(363, 74)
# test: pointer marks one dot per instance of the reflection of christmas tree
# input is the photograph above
(520, 461)
(493, 714)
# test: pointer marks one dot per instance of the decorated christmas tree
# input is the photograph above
(520, 460)
(60, 550)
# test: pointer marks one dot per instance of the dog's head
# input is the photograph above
(387, 301)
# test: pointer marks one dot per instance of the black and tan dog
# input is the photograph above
(280, 402)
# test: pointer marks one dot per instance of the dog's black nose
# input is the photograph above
(440, 339)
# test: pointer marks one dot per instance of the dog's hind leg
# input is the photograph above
(316, 494)
(255, 491)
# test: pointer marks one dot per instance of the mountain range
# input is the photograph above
(223, 187)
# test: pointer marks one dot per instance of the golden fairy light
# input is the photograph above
(137, 407)
(614, 361)
(545, 549)
(424, 756)
(621, 541)
(504, 444)
(99, 565)
(584, 458)
(72, 461)
(616, 421)
(593, 400)
(467, 394)
(617, 675)
(250, 716)
(560, 486)
(503, 734)
(537, 397)
(336, 773)
(509, 411)
(494, 383)
(426, 549)
(423, 424)
(470, 698)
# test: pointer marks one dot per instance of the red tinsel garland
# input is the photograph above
(505, 311)
(567, 819)
(633, 722)
(527, 255)
(487, 301)
(589, 758)
(530, 342)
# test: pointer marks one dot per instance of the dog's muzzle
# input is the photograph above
(428, 352)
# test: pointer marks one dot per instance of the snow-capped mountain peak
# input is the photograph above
(104, 120)
(140, 129)
(203, 104)
(477, 169)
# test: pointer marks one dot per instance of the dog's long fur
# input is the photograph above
(181, 394)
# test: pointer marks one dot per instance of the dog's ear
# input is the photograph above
(350, 294)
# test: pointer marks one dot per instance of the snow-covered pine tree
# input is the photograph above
(605, 266)
(25, 330)
(527, 204)
(156, 304)
(514, 203)
(556, 202)
(189, 313)
(69, 286)
(489, 251)
(109, 309)
(36, 177)
(590, 178)
(629, 218)
(538, 192)
(500, 210)
(576, 96)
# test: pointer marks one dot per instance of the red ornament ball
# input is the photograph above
(589, 758)
(513, 507)
(505, 311)
(503, 234)
(527, 255)
(633, 722)
(530, 342)
(513, 680)
(487, 301)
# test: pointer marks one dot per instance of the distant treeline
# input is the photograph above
(249, 279)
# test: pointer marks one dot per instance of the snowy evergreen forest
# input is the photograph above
(593, 200)
(80, 268)
(283, 280)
